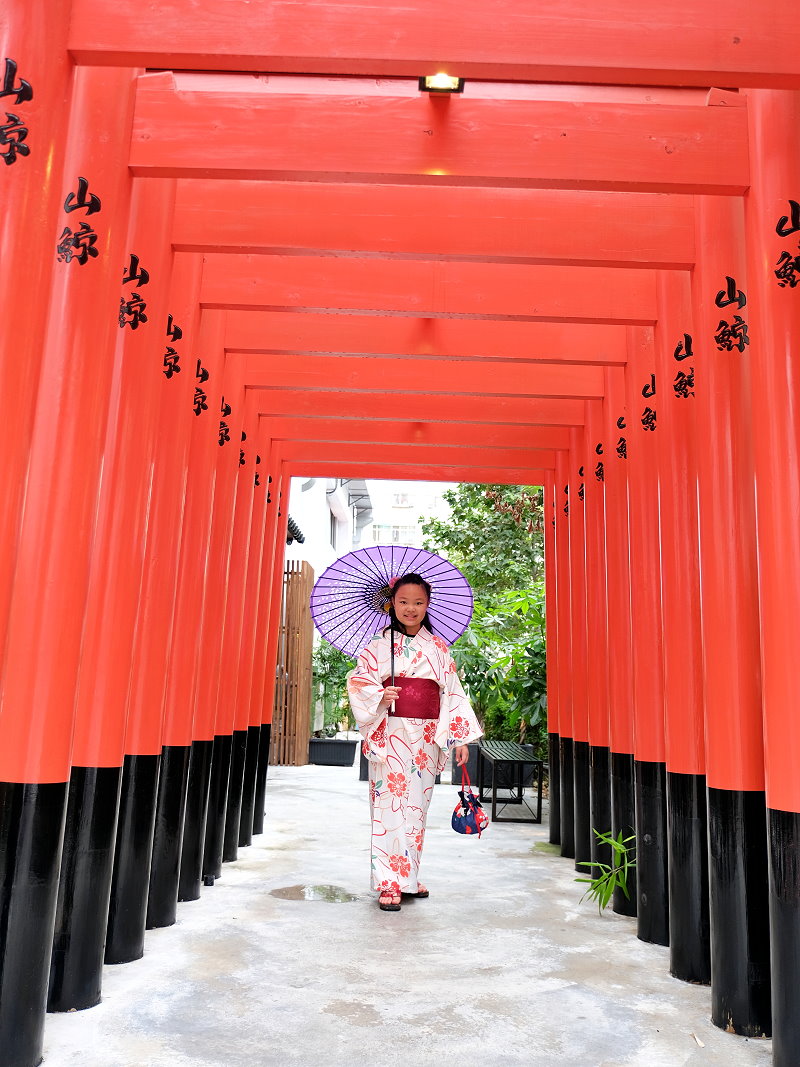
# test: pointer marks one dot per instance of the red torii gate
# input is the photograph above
(494, 239)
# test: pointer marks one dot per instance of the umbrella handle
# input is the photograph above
(391, 650)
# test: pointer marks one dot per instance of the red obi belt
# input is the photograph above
(419, 698)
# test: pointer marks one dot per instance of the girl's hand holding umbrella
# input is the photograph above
(390, 694)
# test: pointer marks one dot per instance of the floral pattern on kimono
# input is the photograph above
(405, 755)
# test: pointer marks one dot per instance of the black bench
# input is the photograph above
(508, 754)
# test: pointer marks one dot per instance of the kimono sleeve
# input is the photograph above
(458, 724)
(365, 690)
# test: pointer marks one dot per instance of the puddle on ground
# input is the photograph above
(331, 894)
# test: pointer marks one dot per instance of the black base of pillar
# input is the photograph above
(249, 787)
(31, 833)
(583, 821)
(217, 798)
(623, 819)
(739, 912)
(567, 794)
(84, 888)
(162, 899)
(194, 823)
(554, 787)
(261, 778)
(134, 849)
(233, 810)
(600, 801)
(689, 942)
(784, 912)
(651, 852)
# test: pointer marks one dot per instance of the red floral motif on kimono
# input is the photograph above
(419, 840)
(459, 727)
(378, 735)
(429, 731)
(421, 760)
(396, 782)
(359, 683)
(389, 887)
(401, 865)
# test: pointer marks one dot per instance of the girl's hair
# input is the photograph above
(409, 579)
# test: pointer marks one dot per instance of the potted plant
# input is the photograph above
(330, 668)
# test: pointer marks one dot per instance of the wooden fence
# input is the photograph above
(291, 720)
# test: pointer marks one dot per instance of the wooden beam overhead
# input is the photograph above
(553, 226)
(424, 288)
(682, 42)
(402, 432)
(476, 456)
(406, 470)
(380, 404)
(302, 334)
(230, 126)
(429, 377)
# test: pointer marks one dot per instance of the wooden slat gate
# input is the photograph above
(292, 711)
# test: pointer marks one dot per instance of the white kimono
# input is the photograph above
(405, 755)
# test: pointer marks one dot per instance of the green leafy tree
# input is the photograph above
(331, 667)
(494, 535)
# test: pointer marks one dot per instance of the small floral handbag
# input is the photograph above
(468, 815)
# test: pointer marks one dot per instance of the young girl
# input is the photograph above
(408, 730)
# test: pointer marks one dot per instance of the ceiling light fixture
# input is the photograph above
(441, 83)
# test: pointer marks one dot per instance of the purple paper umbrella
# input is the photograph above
(350, 600)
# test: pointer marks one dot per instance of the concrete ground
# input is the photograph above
(501, 965)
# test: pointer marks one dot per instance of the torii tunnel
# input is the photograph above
(240, 243)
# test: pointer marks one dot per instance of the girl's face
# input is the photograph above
(410, 604)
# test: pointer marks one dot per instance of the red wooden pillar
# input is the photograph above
(101, 704)
(213, 721)
(265, 582)
(85, 244)
(579, 650)
(33, 54)
(682, 641)
(773, 234)
(274, 547)
(740, 983)
(205, 370)
(157, 611)
(648, 675)
(232, 638)
(244, 676)
(564, 624)
(596, 629)
(620, 653)
(551, 619)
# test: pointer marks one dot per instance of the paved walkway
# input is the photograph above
(502, 965)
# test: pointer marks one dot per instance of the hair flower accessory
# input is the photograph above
(392, 583)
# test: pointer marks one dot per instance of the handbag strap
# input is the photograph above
(465, 782)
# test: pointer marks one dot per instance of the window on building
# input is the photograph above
(398, 535)
(401, 500)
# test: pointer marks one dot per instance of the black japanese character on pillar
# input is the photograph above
(622, 444)
(131, 311)
(241, 450)
(172, 357)
(787, 269)
(599, 471)
(598, 448)
(732, 335)
(581, 491)
(683, 385)
(730, 295)
(13, 135)
(566, 501)
(14, 132)
(23, 92)
(789, 224)
(224, 432)
(648, 418)
(649, 389)
(77, 201)
(200, 395)
(225, 409)
(683, 350)
(79, 244)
